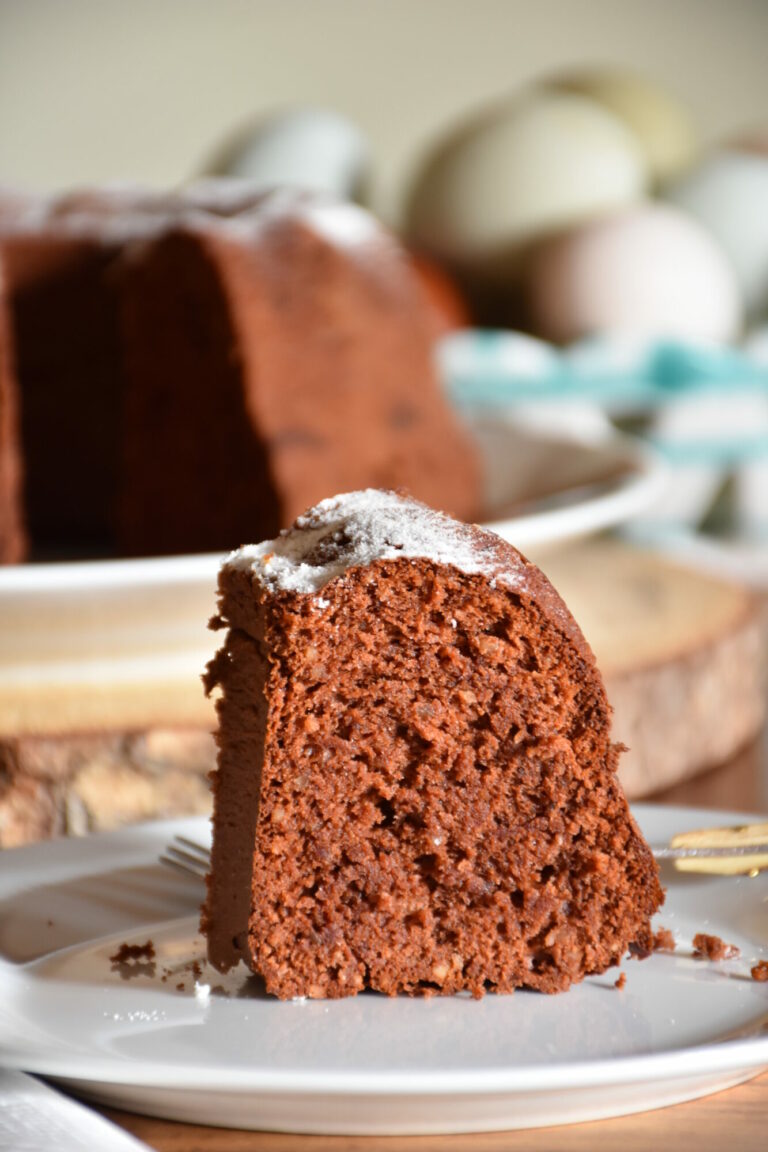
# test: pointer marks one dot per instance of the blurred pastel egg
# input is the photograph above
(648, 271)
(755, 141)
(659, 122)
(310, 148)
(526, 168)
(728, 194)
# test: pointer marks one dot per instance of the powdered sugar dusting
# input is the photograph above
(119, 213)
(112, 214)
(359, 528)
(345, 225)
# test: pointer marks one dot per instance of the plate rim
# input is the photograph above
(627, 495)
(681, 1064)
(727, 1055)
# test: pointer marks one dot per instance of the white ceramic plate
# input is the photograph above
(220, 1052)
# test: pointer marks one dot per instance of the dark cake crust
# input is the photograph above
(57, 253)
(424, 799)
(12, 535)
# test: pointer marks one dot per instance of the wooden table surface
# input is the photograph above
(736, 1119)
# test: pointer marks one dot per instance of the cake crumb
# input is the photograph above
(127, 952)
(664, 941)
(621, 982)
(713, 948)
(760, 971)
(133, 960)
(639, 952)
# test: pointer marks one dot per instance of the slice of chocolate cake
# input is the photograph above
(416, 789)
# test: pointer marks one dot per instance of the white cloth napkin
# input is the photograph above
(36, 1118)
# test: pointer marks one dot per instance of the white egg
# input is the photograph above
(538, 163)
(646, 271)
(660, 123)
(728, 194)
(308, 148)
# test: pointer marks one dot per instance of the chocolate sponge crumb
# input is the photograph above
(639, 951)
(128, 952)
(664, 941)
(133, 960)
(713, 948)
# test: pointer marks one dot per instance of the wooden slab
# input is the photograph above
(684, 657)
(73, 784)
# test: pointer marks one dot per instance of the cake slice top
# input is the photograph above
(357, 529)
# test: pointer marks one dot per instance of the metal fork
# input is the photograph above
(734, 851)
(187, 856)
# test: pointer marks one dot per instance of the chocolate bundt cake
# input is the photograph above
(290, 348)
(192, 367)
(416, 790)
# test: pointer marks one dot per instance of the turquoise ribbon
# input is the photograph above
(664, 371)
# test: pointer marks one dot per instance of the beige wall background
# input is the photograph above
(144, 89)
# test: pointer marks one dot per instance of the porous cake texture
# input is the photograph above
(416, 790)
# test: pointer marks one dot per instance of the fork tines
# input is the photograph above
(187, 856)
